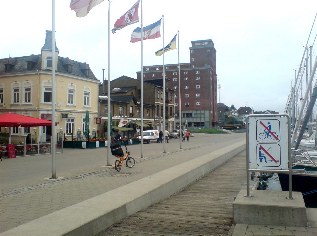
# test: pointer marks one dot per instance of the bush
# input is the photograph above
(207, 131)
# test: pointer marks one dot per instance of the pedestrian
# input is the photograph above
(166, 135)
(160, 140)
(187, 134)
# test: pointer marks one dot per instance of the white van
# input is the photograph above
(150, 135)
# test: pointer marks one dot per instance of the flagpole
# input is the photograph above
(53, 139)
(141, 131)
(179, 95)
(164, 138)
(109, 94)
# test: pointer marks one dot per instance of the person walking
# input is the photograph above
(160, 137)
(187, 134)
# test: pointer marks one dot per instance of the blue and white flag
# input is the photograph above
(149, 32)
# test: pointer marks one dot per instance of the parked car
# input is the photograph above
(174, 133)
(149, 135)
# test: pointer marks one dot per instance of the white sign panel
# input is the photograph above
(268, 139)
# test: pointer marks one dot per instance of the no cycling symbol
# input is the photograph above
(268, 149)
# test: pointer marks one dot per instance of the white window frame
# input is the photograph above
(197, 103)
(71, 96)
(198, 78)
(48, 90)
(186, 87)
(186, 78)
(87, 96)
(174, 73)
(197, 72)
(197, 95)
(175, 79)
(197, 86)
(70, 125)
(49, 60)
(27, 94)
(175, 87)
(186, 95)
(185, 72)
(16, 95)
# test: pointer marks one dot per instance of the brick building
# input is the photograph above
(198, 84)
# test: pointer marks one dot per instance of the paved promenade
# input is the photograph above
(27, 193)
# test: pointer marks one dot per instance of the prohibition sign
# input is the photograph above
(269, 130)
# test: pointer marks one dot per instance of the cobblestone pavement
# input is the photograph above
(27, 192)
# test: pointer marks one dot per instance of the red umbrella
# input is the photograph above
(14, 120)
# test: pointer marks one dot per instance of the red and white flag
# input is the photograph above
(129, 18)
(82, 7)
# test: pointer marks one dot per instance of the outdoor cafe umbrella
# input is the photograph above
(16, 120)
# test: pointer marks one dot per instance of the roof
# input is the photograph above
(123, 98)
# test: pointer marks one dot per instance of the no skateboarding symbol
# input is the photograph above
(267, 139)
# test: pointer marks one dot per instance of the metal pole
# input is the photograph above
(141, 131)
(247, 158)
(53, 139)
(109, 93)
(164, 96)
(179, 96)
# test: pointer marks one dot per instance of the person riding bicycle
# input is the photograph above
(115, 146)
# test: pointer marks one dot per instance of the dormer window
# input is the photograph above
(85, 72)
(49, 62)
(30, 65)
(8, 67)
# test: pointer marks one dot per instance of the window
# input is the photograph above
(131, 110)
(15, 130)
(175, 87)
(27, 130)
(71, 96)
(86, 98)
(27, 95)
(175, 79)
(197, 103)
(197, 78)
(147, 69)
(16, 95)
(197, 86)
(197, 95)
(158, 94)
(187, 95)
(120, 110)
(47, 94)
(49, 62)
(186, 87)
(186, 104)
(186, 78)
(70, 125)
(1, 95)
(174, 73)
(157, 68)
(185, 72)
(153, 75)
(148, 112)
(197, 72)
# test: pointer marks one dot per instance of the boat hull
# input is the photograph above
(306, 183)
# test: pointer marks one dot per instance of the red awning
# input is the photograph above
(15, 120)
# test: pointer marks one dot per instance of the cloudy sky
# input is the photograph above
(259, 43)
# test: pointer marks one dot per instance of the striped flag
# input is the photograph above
(82, 7)
(168, 47)
(129, 18)
(149, 32)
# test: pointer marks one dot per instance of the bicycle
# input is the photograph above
(129, 161)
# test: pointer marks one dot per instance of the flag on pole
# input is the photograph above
(82, 7)
(149, 32)
(129, 18)
(168, 47)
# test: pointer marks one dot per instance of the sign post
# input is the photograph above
(268, 145)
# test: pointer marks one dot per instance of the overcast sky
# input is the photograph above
(259, 44)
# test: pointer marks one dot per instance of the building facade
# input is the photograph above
(198, 84)
(26, 88)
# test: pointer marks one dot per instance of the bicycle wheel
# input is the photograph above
(130, 162)
(117, 165)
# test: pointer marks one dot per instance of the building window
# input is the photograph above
(27, 130)
(120, 110)
(70, 122)
(174, 73)
(175, 87)
(47, 94)
(71, 96)
(187, 87)
(131, 110)
(16, 95)
(157, 68)
(197, 78)
(186, 95)
(86, 98)
(197, 95)
(148, 112)
(197, 72)
(186, 78)
(27, 95)
(158, 94)
(185, 72)
(186, 104)
(49, 62)
(175, 79)
(197, 103)
(153, 75)
(197, 86)
(15, 130)
(147, 69)
(1, 95)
